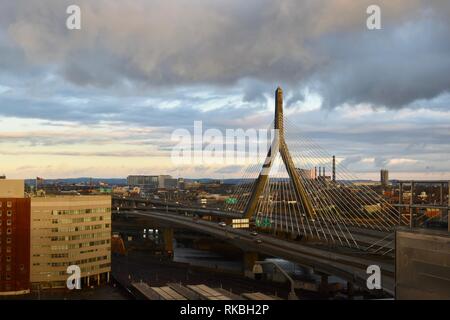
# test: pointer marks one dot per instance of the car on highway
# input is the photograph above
(258, 241)
(222, 224)
(254, 233)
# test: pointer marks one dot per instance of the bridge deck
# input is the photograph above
(349, 265)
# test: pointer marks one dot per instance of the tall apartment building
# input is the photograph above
(14, 238)
(70, 230)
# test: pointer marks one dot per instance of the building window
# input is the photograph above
(8, 259)
(8, 231)
(9, 213)
(8, 222)
(9, 204)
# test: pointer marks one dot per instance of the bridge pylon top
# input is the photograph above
(279, 111)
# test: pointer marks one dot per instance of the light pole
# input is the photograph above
(257, 268)
(167, 205)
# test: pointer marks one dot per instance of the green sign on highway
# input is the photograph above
(265, 223)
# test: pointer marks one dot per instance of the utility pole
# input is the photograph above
(292, 295)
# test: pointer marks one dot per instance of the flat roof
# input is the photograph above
(207, 292)
(12, 188)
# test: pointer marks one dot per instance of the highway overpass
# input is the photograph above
(350, 265)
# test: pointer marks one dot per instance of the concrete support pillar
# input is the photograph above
(98, 279)
(88, 281)
(249, 261)
(168, 240)
(323, 283)
(350, 290)
(107, 277)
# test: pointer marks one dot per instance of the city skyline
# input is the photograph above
(103, 101)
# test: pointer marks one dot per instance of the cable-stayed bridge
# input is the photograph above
(329, 223)
(292, 192)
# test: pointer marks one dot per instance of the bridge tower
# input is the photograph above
(278, 145)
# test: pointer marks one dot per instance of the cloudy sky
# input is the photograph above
(103, 101)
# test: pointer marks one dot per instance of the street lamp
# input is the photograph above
(257, 269)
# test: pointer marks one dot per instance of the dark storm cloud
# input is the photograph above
(392, 67)
(131, 110)
(320, 44)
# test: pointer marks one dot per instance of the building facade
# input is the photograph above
(384, 177)
(14, 238)
(171, 183)
(308, 174)
(151, 182)
(70, 230)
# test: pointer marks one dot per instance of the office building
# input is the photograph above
(14, 238)
(171, 183)
(163, 180)
(70, 230)
(148, 182)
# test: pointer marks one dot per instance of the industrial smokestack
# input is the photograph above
(315, 173)
(323, 172)
(334, 168)
(320, 171)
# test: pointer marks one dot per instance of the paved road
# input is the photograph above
(344, 263)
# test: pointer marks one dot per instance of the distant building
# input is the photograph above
(70, 230)
(149, 182)
(308, 174)
(171, 183)
(162, 180)
(181, 184)
(14, 238)
(384, 177)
